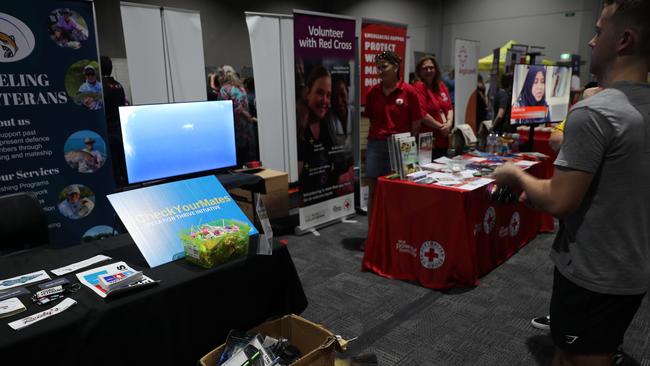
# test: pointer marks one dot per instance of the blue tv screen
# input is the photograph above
(168, 140)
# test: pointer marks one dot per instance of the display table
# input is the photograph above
(444, 237)
(174, 323)
(540, 144)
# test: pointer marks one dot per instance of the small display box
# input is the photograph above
(215, 242)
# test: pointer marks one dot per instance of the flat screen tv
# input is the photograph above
(170, 140)
(540, 94)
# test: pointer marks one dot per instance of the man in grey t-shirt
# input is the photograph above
(601, 188)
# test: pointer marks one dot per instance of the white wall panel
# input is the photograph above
(184, 43)
(143, 39)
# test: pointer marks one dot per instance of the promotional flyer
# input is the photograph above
(52, 128)
(377, 37)
(324, 48)
(196, 215)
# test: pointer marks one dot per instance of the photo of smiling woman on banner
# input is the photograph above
(322, 163)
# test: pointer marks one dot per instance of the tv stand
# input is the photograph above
(528, 146)
(244, 180)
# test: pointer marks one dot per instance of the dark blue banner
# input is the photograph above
(52, 124)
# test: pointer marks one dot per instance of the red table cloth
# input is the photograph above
(540, 144)
(444, 237)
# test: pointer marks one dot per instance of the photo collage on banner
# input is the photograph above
(375, 39)
(52, 128)
(324, 48)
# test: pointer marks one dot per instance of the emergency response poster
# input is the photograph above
(324, 49)
(377, 37)
(52, 125)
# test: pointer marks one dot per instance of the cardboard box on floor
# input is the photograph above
(276, 199)
(316, 343)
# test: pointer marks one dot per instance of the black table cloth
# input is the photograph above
(175, 323)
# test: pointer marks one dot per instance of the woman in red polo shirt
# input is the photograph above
(436, 103)
(392, 107)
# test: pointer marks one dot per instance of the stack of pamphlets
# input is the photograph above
(403, 152)
(114, 278)
(408, 150)
(393, 151)
(11, 307)
(113, 281)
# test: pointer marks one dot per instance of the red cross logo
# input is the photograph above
(431, 254)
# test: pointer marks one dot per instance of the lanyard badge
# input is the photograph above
(54, 293)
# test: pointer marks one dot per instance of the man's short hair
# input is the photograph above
(634, 13)
(106, 65)
(506, 80)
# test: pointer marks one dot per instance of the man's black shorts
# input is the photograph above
(587, 322)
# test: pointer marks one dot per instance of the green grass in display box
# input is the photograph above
(215, 242)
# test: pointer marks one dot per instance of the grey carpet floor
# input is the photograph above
(406, 324)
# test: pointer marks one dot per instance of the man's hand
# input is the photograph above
(523, 198)
(507, 175)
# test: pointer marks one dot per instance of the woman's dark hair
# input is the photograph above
(436, 77)
(315, 74)
(526, 97)
(390, 57)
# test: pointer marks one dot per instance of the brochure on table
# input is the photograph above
(157, 217)
(91, 277)
(468, 173)
(408, 156)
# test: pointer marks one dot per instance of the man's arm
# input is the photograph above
(560, 196)
(555, 141)
(498, 120)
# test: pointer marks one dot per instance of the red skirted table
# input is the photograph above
(540, 144)
(444, 237)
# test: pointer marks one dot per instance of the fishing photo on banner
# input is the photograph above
(324, 64)
(53, 138)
